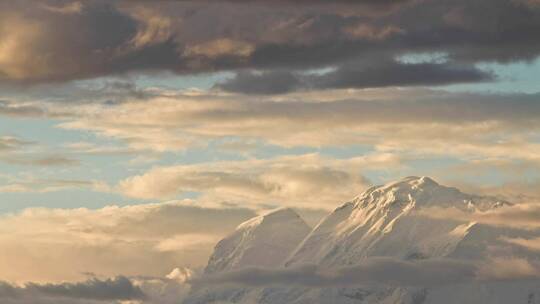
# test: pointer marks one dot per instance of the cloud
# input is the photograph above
(404, 124)
(532, 244)
(119, 288)
(75, 7)
(44, 161)
(18, 110)
(39, 43)
(77, 40)
(275, 82)
(219, 48)
(307, 180)
(10, 143)
(34, 185)
(520, 216)
(45, 245)
(158, 290)
(13, 151)
(89, 148)
(174, 287)
(302, 2)
(531, 3)
(509, 268)
(470, 176)
(386, 271)
(153, 28)
(380, 74)
(379, 271)
(101, 91)
(417, 121)
(181, 274)
(186, 242)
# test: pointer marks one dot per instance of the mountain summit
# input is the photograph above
(424, 192)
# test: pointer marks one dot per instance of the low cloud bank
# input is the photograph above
(171, 289)
(380, 271)
(98, 291)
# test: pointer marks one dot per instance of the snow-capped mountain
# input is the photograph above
(263, 241)
(384, 221)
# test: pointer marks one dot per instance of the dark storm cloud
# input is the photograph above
(49, 43)
(472, 31)
(66, 40)
(393, 73)
(383, 74)
(273, 82)
(119, 288)
(374, 2)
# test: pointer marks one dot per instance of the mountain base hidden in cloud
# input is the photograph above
(386, 246)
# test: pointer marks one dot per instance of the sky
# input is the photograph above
(189, 117)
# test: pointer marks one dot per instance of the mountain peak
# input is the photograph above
(422, 180)
(414, 191)
(265, 241)
(411, 182)
(272, 216)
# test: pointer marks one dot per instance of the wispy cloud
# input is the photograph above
(418, 121)
(36, 185)
(17, 151)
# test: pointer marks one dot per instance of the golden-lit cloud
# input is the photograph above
(45, 245)
(154, 28)
(309, 180)
(532, 244)
(220, 47)
(18, 58)
(178, 243)
(421, 122)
